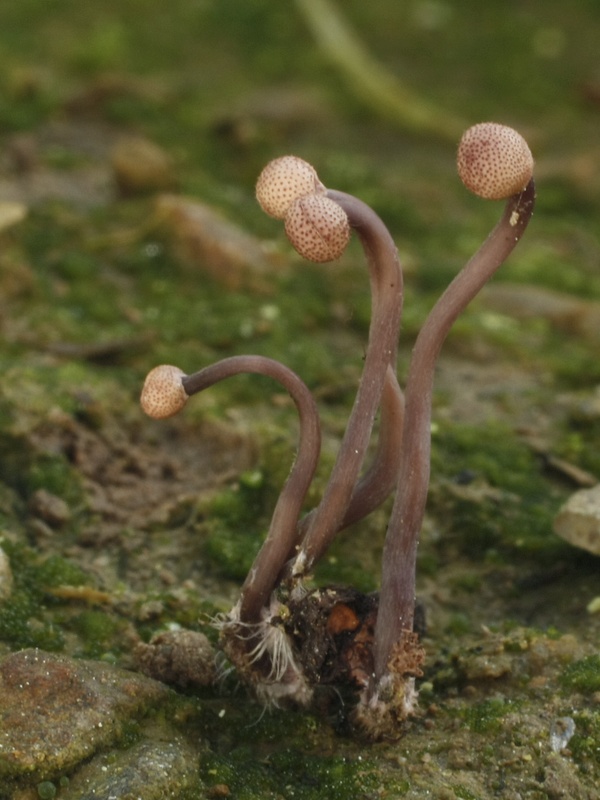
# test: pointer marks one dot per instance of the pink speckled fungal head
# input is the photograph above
(282, 181)
(317, 227)
(163, 394)
(494, 161)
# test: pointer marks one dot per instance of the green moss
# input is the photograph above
(470, 583)
(288, 773)
(11, 508)
(103, 48)
(97, 630)
(316, 776)
(491, 451)
(585, 743)
(235, 523)
(349, 563)
(582, 675)
(486, 717)
(463, 793)
(55, 570)
(23, 623)
(26, 619)
(274, 754)
(459, 624)
(573, 362)
(506, 505)
(231, 552)
(46, 790)
(55, 475)
(579, 445)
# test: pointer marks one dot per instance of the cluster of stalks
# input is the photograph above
(379, 652)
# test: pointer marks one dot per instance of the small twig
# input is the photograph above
(369, 80)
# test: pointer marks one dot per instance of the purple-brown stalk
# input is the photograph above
(256, 645)
(397, 596)
(262, 578)
(397, 586)
(165, 392)
(343, 500)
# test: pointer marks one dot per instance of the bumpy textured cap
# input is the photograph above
(284, 180)
(163, 394)
(318, 228)
(494, 161)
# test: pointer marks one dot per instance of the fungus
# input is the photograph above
(282, 181)
(345, 498)
(391, 695)
(250, 635)
(494, 161)
(317, 227)
(163, 394)
(379, 480)
(262, 634)
(263, 575)
(318, 223)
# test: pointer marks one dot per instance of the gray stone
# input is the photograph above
(56, 711)
(149, 770)
(6, 578)
(578, 521)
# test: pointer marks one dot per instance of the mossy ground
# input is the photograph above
(93, 294)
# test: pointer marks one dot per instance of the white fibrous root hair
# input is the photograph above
(494, 161)
(163, 394)
(284, 180)
(383, 714)
(248, 644)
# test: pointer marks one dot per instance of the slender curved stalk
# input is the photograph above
(380, 479)
(387, 295)
(263, 575)
(397, 596)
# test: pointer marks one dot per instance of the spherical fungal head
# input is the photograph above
(282, 181)
(494, 161)
(163, 394)
(318, 228)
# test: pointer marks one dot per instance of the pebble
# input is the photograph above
(6, 578)
(48, 507)
(578, 521)
(178, 657)
(561, 733)
(56, 711)
(149, 770)
(139, 165)
(11, 213)
(593, 607)
(207, 241)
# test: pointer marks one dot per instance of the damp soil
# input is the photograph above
(118, 528)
